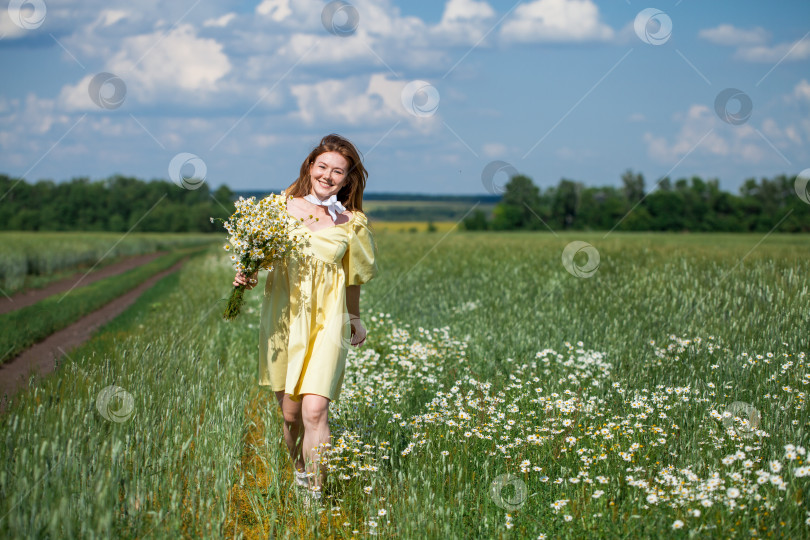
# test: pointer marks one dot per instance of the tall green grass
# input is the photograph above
(463, 328)
(648, 286)
(69, 472)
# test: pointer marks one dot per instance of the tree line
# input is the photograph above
(685, 205)
(121, 203)
(117, 203)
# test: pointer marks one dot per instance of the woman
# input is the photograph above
(311, 308)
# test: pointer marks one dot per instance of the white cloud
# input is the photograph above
(626, 35)
(265, 140)
(278, 10)
(751, 44)
(802, 90)
(702, 133)
(636, 117)
(556, 21)
(109, 17)
(95, 29)
(8, 29)
(568, 153)
(565, 153)
(374, 101)
(698, 122)
(727, 34)
(353, 101)
(220, 22)
(311, 49)
(464, 22)
(464, 10)
(382, 19)
(179, 59)
(383, 38)
(780, 136)
(494, 150)
(26, 127)
(770, 128)
(805, 125)
(799, 50)
(33, 115)
(176, 67)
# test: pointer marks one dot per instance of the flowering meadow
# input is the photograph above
(497, 396)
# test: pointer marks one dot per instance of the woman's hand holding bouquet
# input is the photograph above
(260, 234)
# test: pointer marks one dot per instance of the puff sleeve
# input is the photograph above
(360, 259)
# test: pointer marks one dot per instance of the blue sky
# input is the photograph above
(431, 92)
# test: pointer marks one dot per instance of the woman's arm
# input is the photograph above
(353, 307)
(353, 301)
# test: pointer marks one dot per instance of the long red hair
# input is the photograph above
(351, 194)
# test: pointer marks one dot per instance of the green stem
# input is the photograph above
(235, 302)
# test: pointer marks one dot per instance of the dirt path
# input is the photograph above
(80, 279)
(40, 359)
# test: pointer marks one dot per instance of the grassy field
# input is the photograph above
(412, 226)
(423, 210)
(23, 327)
(499, 396)
(34, 259)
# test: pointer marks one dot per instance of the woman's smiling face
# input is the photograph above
(328, 173)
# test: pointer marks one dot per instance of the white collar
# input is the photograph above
(332, 205)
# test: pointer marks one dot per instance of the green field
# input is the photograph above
(413, 226)
(423, 210)
(22, 328)
(498, 396)
(34, 259)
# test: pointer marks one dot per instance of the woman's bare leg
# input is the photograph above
(315, 413)
(293, 428)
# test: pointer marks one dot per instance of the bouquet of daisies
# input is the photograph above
(260, 234)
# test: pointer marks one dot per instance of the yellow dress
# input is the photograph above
(304, 334)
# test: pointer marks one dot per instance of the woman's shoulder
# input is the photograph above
(357, 217)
